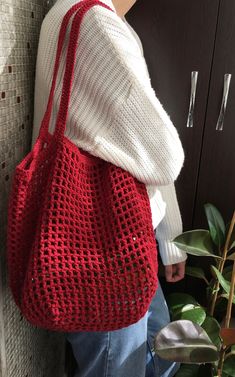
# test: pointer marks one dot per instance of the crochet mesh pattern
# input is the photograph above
(81, 248)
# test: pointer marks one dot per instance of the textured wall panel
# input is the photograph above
(24, 351)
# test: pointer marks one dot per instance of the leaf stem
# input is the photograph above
(221, 266)
(221, 361)
(230, 300)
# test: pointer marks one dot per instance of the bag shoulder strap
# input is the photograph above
(80, 10)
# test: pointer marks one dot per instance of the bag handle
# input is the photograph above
(80, 9)
(70, 64)
(47, 116)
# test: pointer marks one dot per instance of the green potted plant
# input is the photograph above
(201, 337)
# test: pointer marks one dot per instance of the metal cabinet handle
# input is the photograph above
(220, 122)
(194, 76)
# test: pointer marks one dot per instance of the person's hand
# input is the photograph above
(175, 272)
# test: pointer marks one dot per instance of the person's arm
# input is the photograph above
(171, 226)
(124, 122)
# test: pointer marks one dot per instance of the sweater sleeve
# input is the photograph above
(132, 129)
(169, 228)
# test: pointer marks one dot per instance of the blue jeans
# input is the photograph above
(126, 352)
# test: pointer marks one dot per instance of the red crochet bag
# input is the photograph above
(81, 250)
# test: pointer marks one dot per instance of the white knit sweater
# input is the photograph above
(114, 112)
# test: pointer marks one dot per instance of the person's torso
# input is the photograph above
(79, 101)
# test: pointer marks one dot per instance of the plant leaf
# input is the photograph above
(196, 272)
(185, 342)
(194, 313)
(216, 224)
(232, 245)
(188, 370)
(184, 306)
(212, 328)
(231, 256)
(223, 282)
(228, 336)
(177, 300)
(229, 364)
(196, 242)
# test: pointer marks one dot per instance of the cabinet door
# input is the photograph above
(178, 38)
(217, 171)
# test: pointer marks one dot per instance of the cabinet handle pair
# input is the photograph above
(220, 122)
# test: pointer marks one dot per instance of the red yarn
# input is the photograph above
(81, 250)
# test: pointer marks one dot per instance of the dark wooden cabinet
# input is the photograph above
(180, 37)
(216, 181)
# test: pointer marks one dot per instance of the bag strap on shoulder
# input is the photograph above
(79, 10)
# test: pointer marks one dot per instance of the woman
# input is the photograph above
(114, 114)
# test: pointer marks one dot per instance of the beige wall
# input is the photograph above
(24, 351)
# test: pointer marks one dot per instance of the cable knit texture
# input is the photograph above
(114, 111)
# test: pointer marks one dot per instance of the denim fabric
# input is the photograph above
(126, 352)
(158, 317)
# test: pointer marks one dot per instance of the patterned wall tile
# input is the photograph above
(24, 351)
